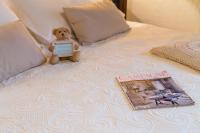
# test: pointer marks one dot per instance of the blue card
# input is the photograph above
(63, 49)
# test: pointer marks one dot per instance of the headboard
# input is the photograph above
(121, 4)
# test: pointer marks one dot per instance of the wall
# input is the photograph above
(176, 14)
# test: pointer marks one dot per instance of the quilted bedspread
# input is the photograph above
(84, 97)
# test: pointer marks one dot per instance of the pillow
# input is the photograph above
(181, 15)
(187, 53)
(95, 21)
(6, 15)
(18, 50)
(42, 16)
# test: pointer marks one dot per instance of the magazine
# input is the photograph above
(153, 90)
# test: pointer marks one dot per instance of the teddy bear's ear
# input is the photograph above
(54, 31)
(67, 30)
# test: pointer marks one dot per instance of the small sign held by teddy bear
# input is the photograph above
(64, 47)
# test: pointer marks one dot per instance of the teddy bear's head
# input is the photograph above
(62, 33)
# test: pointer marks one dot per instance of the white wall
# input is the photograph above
(176, 14)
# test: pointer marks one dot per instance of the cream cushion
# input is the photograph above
(42, 16)
(183, 15)
(95, 21)
(18, 50)
(187, 53)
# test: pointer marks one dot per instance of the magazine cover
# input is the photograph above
(153, 90)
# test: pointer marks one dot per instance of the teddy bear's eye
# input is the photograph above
(59, 31)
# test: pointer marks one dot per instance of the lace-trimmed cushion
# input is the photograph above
(187, 53)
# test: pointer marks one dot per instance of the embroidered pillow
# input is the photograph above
(187, 53)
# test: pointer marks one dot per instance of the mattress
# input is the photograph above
(84, 97)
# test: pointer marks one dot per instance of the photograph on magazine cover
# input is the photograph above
(155, 93)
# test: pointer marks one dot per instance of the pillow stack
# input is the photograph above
(41, 17)
(90, 20)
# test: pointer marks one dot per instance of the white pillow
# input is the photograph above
(6, 15)
(42, 16)
(183, 15)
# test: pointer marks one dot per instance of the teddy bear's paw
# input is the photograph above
(54, 60)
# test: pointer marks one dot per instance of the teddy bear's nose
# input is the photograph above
(63, 34)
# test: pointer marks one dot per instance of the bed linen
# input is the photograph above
(85, 98)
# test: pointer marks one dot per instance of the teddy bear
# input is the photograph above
(64, 34)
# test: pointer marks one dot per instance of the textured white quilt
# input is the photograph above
(85, 98)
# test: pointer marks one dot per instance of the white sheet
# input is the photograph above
(85, 98)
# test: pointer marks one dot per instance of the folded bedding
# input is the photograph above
(43, 18)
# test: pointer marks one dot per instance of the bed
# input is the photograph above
(85, 97)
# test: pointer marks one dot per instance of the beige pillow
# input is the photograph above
(95, 21)
(187, 53)
(18, 50)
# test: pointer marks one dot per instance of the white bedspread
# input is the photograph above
(85, 98)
